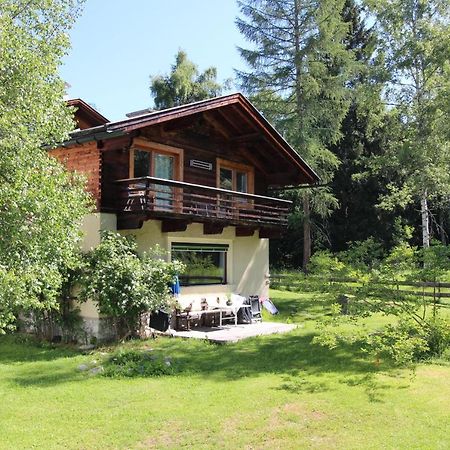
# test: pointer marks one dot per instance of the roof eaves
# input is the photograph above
(92, 134)
(282, 141)
(88, 109)
(171, 112)
(121, 127)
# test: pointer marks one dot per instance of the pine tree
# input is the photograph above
(300, 63)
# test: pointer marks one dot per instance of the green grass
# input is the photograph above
(270, 392)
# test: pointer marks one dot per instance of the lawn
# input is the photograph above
(271, 392)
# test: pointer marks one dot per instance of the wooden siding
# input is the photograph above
(207, 149)
(82, 121)
(84, 159)
(115, 157)
(105, 162)
(226, 129)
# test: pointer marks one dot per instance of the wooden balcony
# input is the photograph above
(149, 197)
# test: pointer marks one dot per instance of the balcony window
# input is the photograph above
(235, 176)
(160, 161)
(205, 263)
(141, 163)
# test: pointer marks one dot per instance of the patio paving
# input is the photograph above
(233, 333)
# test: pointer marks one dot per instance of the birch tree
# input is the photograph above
(41, 205)
(184, 84)
(415, 37)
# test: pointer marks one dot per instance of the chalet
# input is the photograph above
(196, 180)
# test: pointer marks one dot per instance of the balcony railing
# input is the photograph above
(159, 198)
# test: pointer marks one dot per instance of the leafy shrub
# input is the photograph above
(437, 335)
(324, 263)
(419, 333)
(124, 284)
(362, 255)
(434, 262)
(409, 341)
(135, 363)
(403, 343)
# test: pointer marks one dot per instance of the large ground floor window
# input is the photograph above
(205, 263)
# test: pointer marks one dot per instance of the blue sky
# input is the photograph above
(118, 44)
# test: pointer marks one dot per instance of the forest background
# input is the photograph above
(361, 90)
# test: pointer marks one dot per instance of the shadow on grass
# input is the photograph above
(276, 354)
(48, 376)
(372, 387)
(295, 384)
(26, 362)
(17, 349)
(304, 367)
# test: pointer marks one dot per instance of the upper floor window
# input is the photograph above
(150, 159)
(235, 176)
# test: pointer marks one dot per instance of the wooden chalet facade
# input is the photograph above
(191, 178)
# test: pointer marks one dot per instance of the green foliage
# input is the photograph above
(136, 363)
(123, 284)
(324, 263)
(419, 330)
(299, 77)
(184, 84)
(41, 205)
(363, 255)
(415, 39)
(363, 134)
(408, 341)
(402, 343)
(434, 262)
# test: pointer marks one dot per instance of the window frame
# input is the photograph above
(236, 167)
(157, 148)
(205, 245)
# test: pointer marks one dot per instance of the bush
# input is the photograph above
(324, 263)
(420, 331)
(362, 255)
(437, 335)
(409, 341)
(135, 363)
(124, 284)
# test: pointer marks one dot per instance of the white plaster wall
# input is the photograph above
(248, 258)
(91, 227)
(251, 265)
(149, 236)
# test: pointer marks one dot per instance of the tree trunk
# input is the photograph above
(306, 233)
(425, 220)
(442, 233)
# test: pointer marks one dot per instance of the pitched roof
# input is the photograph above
(237, 100)
(87, 113)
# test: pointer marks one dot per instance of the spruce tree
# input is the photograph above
(300, 68)
(363, 134)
